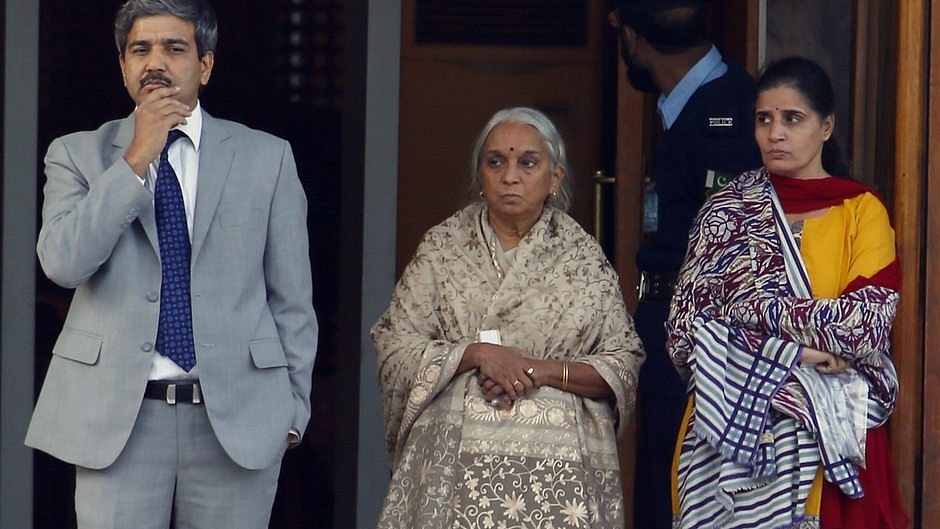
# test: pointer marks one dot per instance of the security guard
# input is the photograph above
(706, 106)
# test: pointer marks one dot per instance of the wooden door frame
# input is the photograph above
(628, 171)
(929, 509)
(911, 336)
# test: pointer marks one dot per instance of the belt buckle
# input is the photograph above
(643, 289)
(195, 396)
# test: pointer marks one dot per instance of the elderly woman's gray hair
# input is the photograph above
(561, 199)
(199, 12)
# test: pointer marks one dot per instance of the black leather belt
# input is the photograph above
(174, 391)
(656, 286)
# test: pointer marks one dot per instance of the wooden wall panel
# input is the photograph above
(930, 491)
(907, 421)
(448, 92)
(634, 113)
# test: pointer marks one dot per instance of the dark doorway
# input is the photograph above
(278, 68)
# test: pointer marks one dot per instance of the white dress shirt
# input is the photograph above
(184, 158)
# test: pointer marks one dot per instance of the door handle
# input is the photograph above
(600, 180)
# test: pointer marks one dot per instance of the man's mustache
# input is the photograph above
(155, 76)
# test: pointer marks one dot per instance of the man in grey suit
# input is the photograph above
(183, 371)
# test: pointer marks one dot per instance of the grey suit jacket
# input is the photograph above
(253, 320)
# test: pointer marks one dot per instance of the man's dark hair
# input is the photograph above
(664, 25)
(199, 12)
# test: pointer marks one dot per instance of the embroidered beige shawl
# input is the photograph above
(551, 460)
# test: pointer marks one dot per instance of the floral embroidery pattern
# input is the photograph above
(548, 462)
(523, 493)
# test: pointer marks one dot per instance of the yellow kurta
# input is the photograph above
(834, 251)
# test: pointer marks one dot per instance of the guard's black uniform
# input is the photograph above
(713, 133)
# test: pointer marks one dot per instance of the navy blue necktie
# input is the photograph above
(175, 327)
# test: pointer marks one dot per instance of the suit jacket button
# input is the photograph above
(147, 347)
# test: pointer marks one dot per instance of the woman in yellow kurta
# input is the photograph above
(781, 320)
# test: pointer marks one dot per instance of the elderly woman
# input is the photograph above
(781, 318)
(507, 359)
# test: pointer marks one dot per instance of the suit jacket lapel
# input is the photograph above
(216, 155)
(121, 141)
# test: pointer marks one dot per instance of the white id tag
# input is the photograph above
(490, 336)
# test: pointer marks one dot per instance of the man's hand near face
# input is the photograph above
(157, 113)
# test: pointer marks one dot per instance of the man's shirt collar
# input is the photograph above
(708, 68)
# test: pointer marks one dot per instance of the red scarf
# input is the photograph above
(798, 195)
(802, 195)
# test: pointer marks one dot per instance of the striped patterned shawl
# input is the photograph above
(762, 424)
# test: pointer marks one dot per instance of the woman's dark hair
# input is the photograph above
(814, 85)
(832, 160)
(803, 75)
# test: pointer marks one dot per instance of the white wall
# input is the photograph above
(17, 273)
(378, 244)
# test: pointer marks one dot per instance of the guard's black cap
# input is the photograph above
(658, 4)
